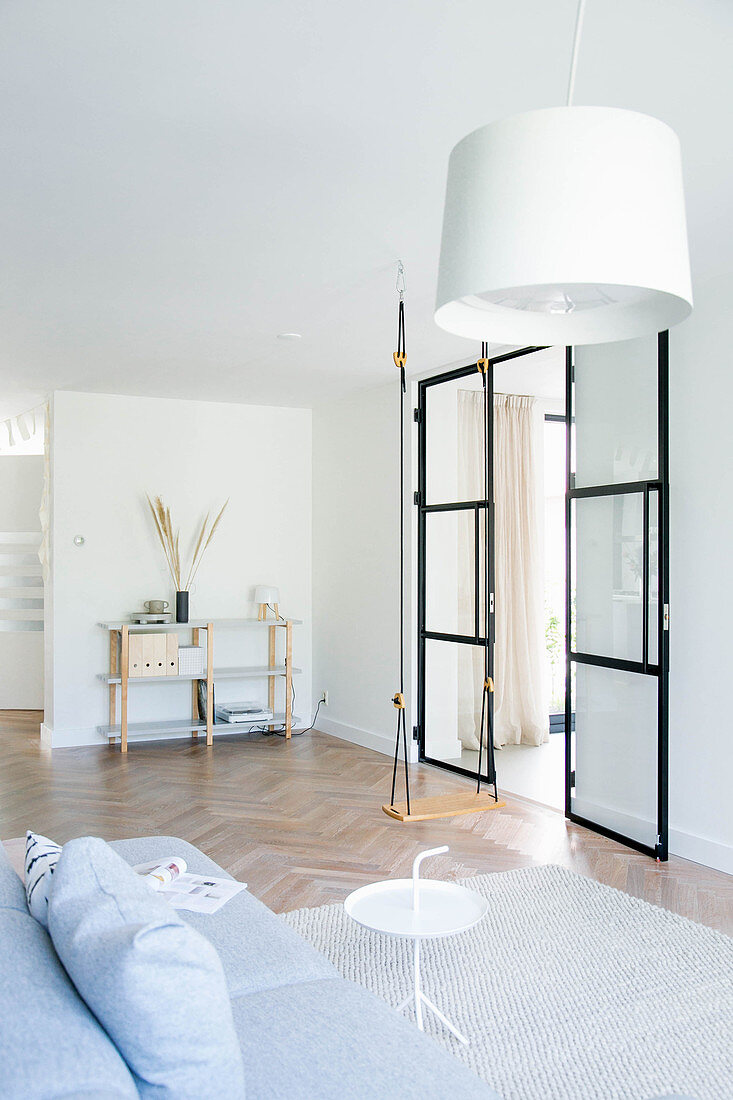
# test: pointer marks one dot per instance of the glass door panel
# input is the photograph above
(450, 572)
(616, 727)
(653, 596)
(608, 569)
(616, 398)
(453, 683)
(453, 439)
(482, 603)
(455, 557)
(617, 531)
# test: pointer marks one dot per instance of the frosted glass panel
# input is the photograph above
(454, 441)
(654, 578)
(608, 537)
(482, 573)
(450, 606)
(616, 412)
(616, 751)
(453, 687)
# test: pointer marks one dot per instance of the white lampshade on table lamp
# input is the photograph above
(564, 226)
(267, 595)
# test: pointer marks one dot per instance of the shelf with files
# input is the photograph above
(118, 679)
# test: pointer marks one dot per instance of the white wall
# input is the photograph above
(21, 651)
(107, 452)
(701, 519)
(21, 484)
(356, 567)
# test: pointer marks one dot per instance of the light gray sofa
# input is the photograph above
(305, 1032)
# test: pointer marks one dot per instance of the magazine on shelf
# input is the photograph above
(198, 893)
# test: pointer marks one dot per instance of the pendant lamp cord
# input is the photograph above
(486, 727)
(576, 49)
(398, 699)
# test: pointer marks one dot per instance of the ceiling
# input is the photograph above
(180, 181)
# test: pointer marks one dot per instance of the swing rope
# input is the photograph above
(487, 723)
(398, 699)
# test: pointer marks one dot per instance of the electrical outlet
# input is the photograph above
(324, 698)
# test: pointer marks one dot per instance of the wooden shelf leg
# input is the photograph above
(209, 684)
(195, 689)
(288, 679)
(124, 672)
(272, 657)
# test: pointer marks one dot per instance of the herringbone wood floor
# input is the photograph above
(301, 821)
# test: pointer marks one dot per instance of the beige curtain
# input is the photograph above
(520, 715)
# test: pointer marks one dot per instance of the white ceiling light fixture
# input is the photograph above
(565, 226)
(289, 336)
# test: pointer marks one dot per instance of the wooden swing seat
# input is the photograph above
(443, 805)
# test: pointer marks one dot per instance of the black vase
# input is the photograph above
(181, 607)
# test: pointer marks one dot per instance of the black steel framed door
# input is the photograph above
(454, 536)
(617, 590)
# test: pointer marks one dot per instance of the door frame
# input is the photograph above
(660, 668)
(424, 509)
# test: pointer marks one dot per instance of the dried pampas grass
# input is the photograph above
(170, 540)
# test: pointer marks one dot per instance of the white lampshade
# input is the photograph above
(564, 226)
(266, 593)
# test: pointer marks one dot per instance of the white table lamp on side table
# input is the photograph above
(418, 909)
(266, 595)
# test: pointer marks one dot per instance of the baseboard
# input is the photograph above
(698, 849)
(701, 850)
(67, 739)
(379, 742)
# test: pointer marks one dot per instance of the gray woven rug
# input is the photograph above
(568, 990)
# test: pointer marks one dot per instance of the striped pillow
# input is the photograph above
(41, 857)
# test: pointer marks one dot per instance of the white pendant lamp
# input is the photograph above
(564, 226)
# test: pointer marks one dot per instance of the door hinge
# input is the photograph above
(417, 497)
(665, 617)
(491, 603)
(659, 847)
(415, 733)
(417, 416)
(572, 779)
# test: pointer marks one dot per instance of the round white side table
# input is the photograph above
(418, 909)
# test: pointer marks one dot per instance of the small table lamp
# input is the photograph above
(267, 594)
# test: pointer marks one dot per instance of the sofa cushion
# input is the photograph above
(50, 1044)
(12, 891)
(257, 950)
(332, 1039)
(156, 986)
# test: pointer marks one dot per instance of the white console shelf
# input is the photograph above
(118, 679)
(246, 672)
(193, 624)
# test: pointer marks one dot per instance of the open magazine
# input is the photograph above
(197, 893)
